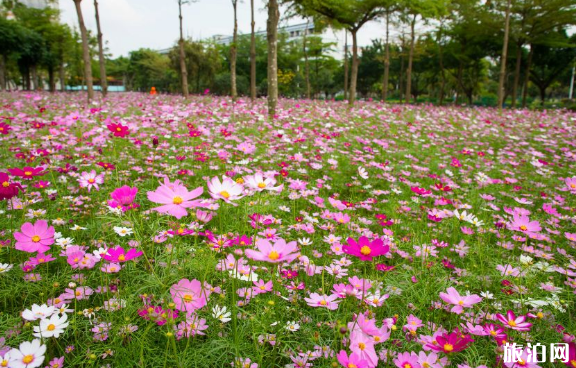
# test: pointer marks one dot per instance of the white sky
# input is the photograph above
(131, 24)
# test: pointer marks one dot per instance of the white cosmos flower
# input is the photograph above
(292, 326)
(38, 312)
(305, 241)
(30, 354)
(5, 267)
(51, 327)
(123, 231)
(221, 313)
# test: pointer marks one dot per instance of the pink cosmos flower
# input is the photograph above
(34, 238)
(525, 360)
(8, 189)
(123, 198)
(515, 323)
(450, 342)
(324, 301)
(366, 249)
(258, 183)
(90, 180)
(27, 172)
(279, 252)
(571, 184)
(459, 302)
(407, 360)
(227, 190)
(118, 130)
(351, 361)
(363, 346)
(522, 223)
(189, 295)
(175, 198)
(118, 254)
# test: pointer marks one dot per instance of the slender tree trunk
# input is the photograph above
(346, 94)
(233, 52)
(441, 64)
(272, 37)
(51, 80)
(101, 59)
(517, 74)
(27, 82)
(410, 60)
(355, 62)
(34, 72)
(183, 71)
(2, 72)
(306, 64)
(527, 76)
(85, 51)
(401, 75)
(386, 60)
(62, 77)
(252, 54)
(504, 56)
(459, 86)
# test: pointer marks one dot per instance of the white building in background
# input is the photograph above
(39, 4)
(296, 32)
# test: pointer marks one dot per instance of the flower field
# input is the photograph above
(155, 231)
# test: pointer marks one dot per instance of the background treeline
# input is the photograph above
(438, 51)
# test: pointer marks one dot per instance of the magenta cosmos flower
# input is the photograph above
(27, 172)
(522, 223)
(460, 302)
(118, 254)
(7, 188)
(450, 342)
(515, 323)
(118, 130)
(365, 249)
(123, 198)
(279, 252)
(189, 295)
(35, 238)
(175, 198)
(227, 190)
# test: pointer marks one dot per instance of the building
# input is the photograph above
(295, 33)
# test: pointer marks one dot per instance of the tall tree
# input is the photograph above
(346, 77)
(233, 52)
(85, 51)
(351, 15)
(10, 36)
(272, 38)
(502, 77)
(252, 53)
(183, 70)
(306, 63)
(101, 59)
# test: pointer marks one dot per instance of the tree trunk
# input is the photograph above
(542, 94)
(306, 64)
(355, 62)
(527, 76)
(62, 77)
(2, 72)
(386, 60)
(101, 59)
(517, 74)
(26, 80)
(401, 75)
(272, 37)
(459, 86)
(51, 80)
(183, 70)
(410, 59)
(85, 51)
(504, 56)
(346, 94)
(252, 55)
(233, 52)
(442, 71)
(34, 72)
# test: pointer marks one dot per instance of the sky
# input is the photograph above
(132, 24)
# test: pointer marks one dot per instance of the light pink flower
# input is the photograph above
(35, 238)
(175, 198)
(91, 180)
(279, 252)
(323, 301)
(227, 190)
(460, 302)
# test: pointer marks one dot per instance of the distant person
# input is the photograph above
(153, 91)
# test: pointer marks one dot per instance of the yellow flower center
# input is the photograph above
(352, 365)
(188, 298)
(35, 238)
(118, 129)
(240, 181)
(573, 186)
(51, 327)
(91, 181)
(273, 255)
(461, 302)
(261, 185)
(365, 250)
(177, 200)
(408, 365)
(28, 173)
(362, 346)
(28, 359)
(323, 302)
(512, 323)
(573, 362)
(225, 194)
(5, 184)
(448, 347)
(121, 257)
(426, 365)
(523, 228)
